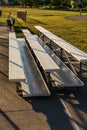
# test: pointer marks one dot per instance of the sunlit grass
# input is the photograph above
(73, 31)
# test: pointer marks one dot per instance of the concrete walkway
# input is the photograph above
(82, 17)
(17, 113)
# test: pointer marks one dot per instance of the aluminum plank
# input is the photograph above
(34, 84)
(75, 52)
(63, 77)
(16, 72)
(45, 60)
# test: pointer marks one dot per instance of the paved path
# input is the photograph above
(78, 17)
(17, 113)
(45, 113)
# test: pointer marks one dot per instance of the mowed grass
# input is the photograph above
(73, 31)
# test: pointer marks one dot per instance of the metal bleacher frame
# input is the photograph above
(23, 70)
(62, 77)
(66, 49)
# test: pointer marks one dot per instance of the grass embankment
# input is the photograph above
(73, 31)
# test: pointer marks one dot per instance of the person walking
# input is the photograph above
(12, 20)
(9, 24)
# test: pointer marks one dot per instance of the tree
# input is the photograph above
(61, 3)
(56, 2)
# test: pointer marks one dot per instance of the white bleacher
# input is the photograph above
(44, 59)
(16, 72)
(63, 77)
(34, 84)
(75, 52)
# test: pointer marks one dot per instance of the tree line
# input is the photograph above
(50, 3)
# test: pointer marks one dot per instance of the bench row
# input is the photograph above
(22, 66)
(75, 52)
(23, 69)
(62, 77)
(44, 59)
(16, 70)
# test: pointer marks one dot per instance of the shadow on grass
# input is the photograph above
(48, 15)
(18, 30)
(37, 21)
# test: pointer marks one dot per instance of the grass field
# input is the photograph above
(73, 31)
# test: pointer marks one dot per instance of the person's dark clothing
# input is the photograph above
(9, 24)
(12, 20)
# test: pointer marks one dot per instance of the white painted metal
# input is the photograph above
(75, 52)
(63, 77)
(26, 32)
(34, 84)
(16, 72)
(45, 60)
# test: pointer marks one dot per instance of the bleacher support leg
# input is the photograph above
(61, 53)
(80, 68)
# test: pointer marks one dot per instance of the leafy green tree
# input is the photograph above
(56, 2)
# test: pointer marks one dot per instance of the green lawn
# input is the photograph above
(73, 31)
